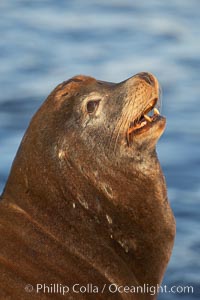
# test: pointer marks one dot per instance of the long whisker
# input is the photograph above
(119, 130)
(124, 120)
(116, 128)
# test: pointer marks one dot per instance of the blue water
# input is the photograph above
(44, 42)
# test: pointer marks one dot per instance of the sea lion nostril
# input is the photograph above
(147, 77)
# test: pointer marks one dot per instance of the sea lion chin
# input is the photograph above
(86, 200)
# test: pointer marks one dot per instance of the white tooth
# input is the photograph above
(147, 118)
(156, 111)
(143, 124)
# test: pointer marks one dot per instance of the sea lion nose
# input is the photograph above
(149, 78)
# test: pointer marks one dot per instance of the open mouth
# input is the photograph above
(145, 120)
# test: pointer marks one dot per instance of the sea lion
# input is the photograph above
(85, 206)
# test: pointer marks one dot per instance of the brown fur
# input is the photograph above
(82, 206)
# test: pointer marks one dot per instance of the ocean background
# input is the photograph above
(44, 42)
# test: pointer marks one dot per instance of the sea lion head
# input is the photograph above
(112, 118)
(87, 123)
(106, 118)
(93, 128)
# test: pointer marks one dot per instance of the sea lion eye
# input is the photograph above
(92, 106)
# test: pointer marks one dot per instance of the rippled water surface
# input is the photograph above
(45, 42)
